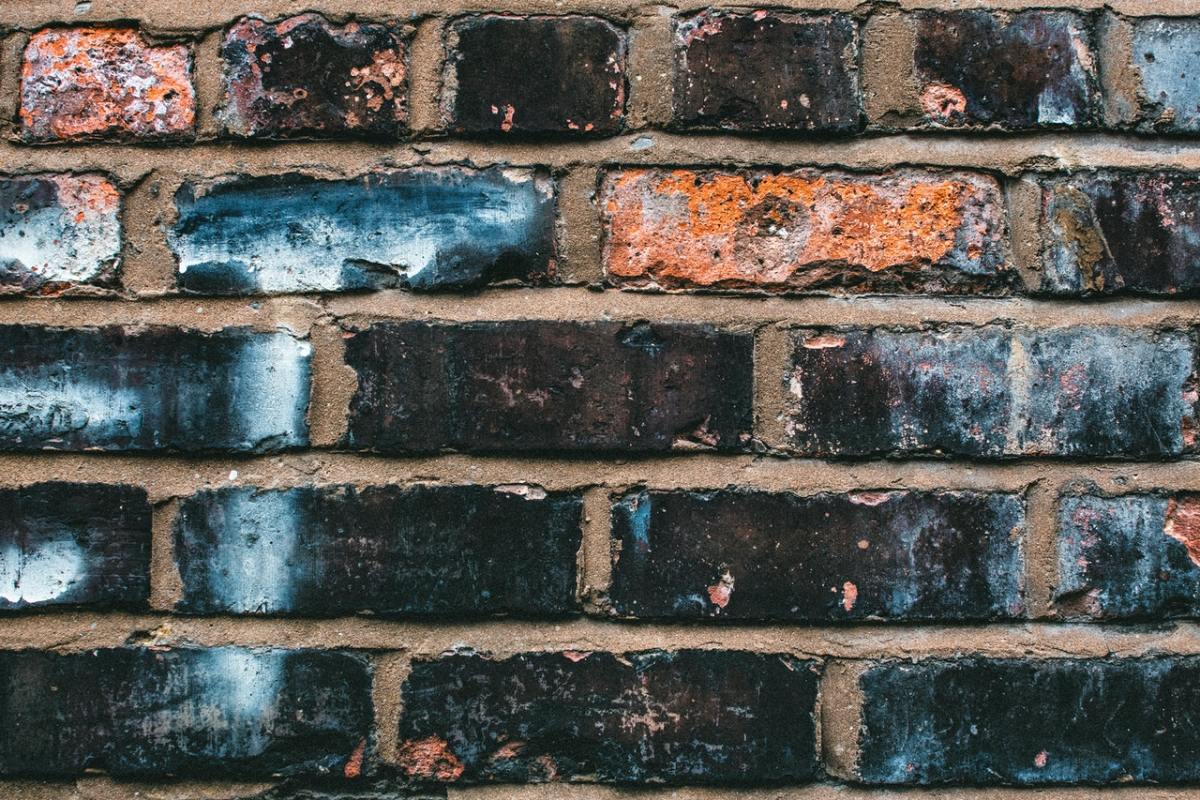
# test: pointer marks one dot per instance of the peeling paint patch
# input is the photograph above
(936, 556)
(767, 71)
(805, 230)
(421, 228)
(420, 549)
(96, 82)
(1133, 556)
(57, 231)
(1026, 70)
(304, 76)
(971, 721)
(153, 388)
(225, 711)
(534, 75)
(994, 392)
(688, 716)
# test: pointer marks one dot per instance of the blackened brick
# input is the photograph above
(303, 76)
(100, 82)
(1033, 69)
(424, 228)
(1029, 722)
(74, 544)
(1111, 232)
(805, 230)
(382, 549)
(868, 555)
(153, 712)
(534, 75)
(1132, 556)
(993, 392)
(766, 70)
(151, 388)
(57, 231)
(690, 716)
(549, 386)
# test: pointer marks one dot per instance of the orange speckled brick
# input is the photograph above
(90, 83)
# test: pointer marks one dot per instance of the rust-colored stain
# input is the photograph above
(686, 228)
(354, 763)
(430, 758)
(1183, 524)
(78, 83)
(943, 102)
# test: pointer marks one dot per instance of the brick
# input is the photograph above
(151, 388)
(765, 71)
(1030, 722)
(805, 231)
(304, 76)
(414, 550)
(992, 391)
(105, 83)
(423, 228)
(689, 716)
(1029, 70)
(1121, 232)
(534, 75)
(740, 554)
(157, 712)
(556, 386)
(58, 231)
(379, 789)
(1131, 556)
(74, 544)
(1164, 95)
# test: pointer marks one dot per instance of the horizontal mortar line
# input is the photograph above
(165, 476)
(165, 15)
(580, 791)
(1012, 153)
(75, 631)
(579, 303)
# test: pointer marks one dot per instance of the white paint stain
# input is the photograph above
(72, 241)
(271, 393)
(42, 573)
(253, 570)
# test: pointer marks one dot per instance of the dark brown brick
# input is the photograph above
(991, 392)
(738, 554)
(766, 71)
(304, 76)
(689, 716)
(534, 75)
(1059, 721)
(74, 544)
(1030, 70)
(567, 386)
(157, 712)
(1121, 232)
(386, 550)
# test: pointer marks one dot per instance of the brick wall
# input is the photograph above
(592, 400)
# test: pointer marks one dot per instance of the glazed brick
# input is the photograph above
(992, 392)
(304, 76)
(1030, 70)
(805, 231)
(1164, 94)
(420, 549)
(1131, 556)
(765, 71)
(157, 712)
(421, 228)
(74, 544)
(57, 231)
(565, 386)
(688, 716)
(1114, 232)
(151, 388)
(1013, 721)
(104, 83)
(534, 75)
(740, 554)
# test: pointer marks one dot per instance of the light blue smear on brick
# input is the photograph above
(1166, 53)
(422, 228)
